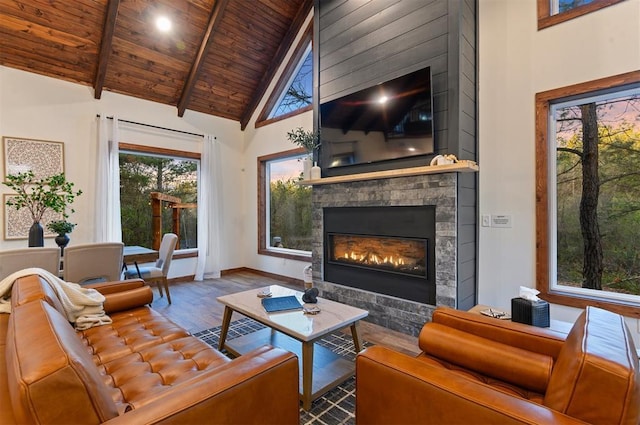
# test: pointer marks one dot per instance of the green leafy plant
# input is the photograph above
(61, 227)
(39, 195)
(307, 139)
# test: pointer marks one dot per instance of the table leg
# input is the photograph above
(226, 321)
(356, 338)
(307, 374)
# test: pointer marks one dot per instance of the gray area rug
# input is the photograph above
(337, 406)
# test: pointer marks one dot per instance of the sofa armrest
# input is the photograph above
(531, 338)
(394, 388)
(258, 387)
(116, 286)
(123, 295)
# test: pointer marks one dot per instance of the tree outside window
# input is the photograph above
(598, 192)
(299, 94)
(143, 174)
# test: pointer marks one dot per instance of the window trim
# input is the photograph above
(130, 147)
(262, 208)
(543, 101)
(281, 85)
(153, 150)
(546, 19)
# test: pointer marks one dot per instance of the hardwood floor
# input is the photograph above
(194, 307)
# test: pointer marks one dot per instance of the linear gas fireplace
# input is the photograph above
(388, 250)
(405, 256)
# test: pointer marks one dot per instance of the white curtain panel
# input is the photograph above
(107, 223)
(209, 211)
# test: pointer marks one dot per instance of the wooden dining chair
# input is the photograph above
(158, 273)
(13, 260)
(93, 262)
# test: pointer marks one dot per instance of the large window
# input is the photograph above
(158, 194)
(284, 216)
(552, 12)
(588, 193)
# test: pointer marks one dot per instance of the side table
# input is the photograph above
(555, 325)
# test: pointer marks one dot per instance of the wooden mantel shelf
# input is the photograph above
(462, 166)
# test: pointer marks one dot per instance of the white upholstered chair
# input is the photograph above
(13, 260)
(159, 272)
(93, 262)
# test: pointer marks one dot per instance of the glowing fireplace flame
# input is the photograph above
(374, 259)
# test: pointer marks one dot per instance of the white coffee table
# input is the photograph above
(296, 332)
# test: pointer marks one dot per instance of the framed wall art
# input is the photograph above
(44, 158)
(18, 222)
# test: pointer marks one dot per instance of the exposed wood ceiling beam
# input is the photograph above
(194, 74)
(105, 46)
(287, 41)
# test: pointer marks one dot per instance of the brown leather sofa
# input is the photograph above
(141, 369)
(479, 370)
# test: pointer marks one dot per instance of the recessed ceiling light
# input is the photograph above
(163, 24)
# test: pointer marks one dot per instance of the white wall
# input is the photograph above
(261, 141)
(37, 107)
(515, 62)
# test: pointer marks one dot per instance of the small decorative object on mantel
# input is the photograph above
(40, 195)
(443, 160)
(316, 173)
(62, 228)
(308, 140)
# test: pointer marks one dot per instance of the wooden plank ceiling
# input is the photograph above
(218, 58)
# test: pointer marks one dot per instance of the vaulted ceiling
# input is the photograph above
(218, 58)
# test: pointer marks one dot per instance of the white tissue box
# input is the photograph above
(534, 313)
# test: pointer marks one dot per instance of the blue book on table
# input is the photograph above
(289, 302)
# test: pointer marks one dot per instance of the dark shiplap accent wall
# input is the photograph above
(464, 57)
(360, 44)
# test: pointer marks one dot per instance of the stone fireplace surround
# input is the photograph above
(428, 189)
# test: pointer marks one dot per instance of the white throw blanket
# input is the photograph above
(83, 306)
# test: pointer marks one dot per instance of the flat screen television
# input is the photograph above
(383, 123)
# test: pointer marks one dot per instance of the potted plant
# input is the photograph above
(39, 195)
(62, 228)
(309, 140)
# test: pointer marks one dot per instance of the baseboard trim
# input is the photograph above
(287, 279)
(178, 279)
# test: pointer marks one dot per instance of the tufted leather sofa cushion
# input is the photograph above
(131, 331)
(141, 355)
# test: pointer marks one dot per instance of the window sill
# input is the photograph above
(623, 307)
(186, 253)
(290, 255)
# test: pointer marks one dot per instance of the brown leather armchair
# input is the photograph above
(479, 370)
